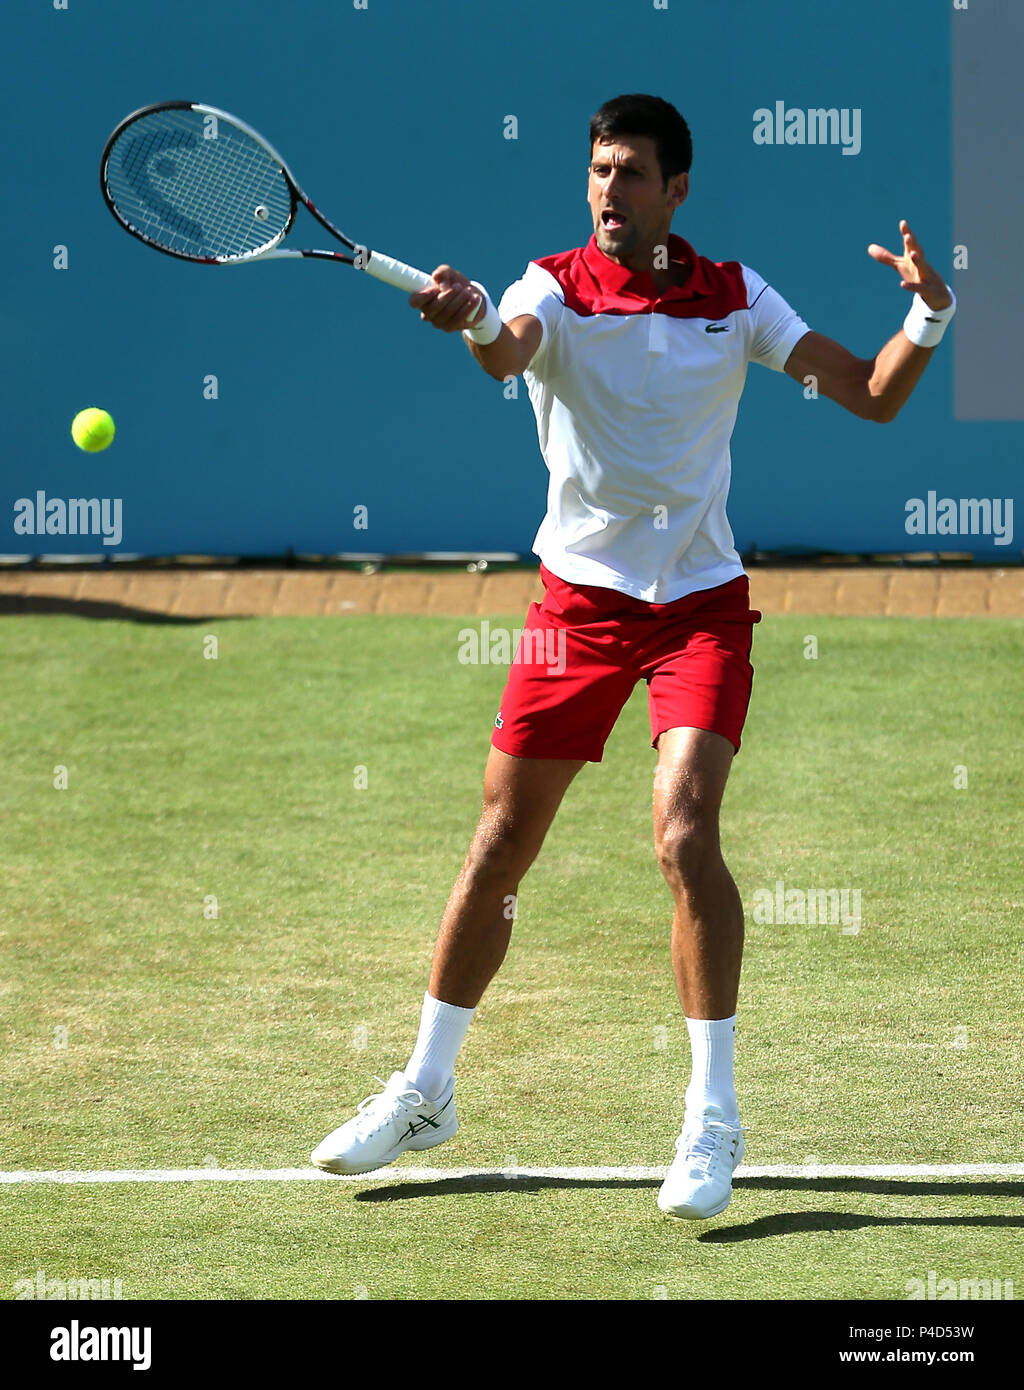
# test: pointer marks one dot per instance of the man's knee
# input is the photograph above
(502, 849)
(687, 846)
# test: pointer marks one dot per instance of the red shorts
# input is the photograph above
(584, 649)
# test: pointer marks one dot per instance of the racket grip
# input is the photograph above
(397, 273)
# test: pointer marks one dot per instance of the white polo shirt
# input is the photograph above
(635, 395)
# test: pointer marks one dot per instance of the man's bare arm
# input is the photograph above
(875, 388)
(872, 388)
(512, 350)
(452, 303)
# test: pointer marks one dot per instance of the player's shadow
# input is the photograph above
(18, 605)
(761, 1228)
(811, 1222)
(890, 1187)
(480, 1184)
(802, 1223)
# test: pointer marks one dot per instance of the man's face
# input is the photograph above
(631, 207)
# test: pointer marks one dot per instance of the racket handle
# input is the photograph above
(396, 273)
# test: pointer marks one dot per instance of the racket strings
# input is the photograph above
(219, 196)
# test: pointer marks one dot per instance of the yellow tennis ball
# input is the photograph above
(92, 430)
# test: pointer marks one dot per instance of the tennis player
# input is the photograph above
(634, 349)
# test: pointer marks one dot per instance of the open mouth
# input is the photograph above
(612, 220)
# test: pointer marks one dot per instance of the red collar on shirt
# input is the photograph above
(593, 284)
(617, 279)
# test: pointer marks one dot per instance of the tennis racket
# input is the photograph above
(202, 185)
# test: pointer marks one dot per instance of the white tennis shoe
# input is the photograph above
(386, 1125)
(699, 1183)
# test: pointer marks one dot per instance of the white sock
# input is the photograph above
(711, 1080)
(442, 1028)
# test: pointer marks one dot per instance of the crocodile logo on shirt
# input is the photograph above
(717, 328)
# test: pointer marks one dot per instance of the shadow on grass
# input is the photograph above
(15, 605)
(479, 1184)
(811, 1222)
(892, 1187)
(779, 1224)
(802, 1223)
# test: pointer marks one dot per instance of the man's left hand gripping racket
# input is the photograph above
(197, 183)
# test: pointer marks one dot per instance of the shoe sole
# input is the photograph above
(337, 1165)
(695, 1215)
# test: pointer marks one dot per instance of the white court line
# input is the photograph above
(778, 1170)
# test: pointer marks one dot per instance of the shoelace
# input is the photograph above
(371, 1114)
(706, 1147)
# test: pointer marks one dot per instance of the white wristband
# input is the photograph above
(490, 325)
(925, 327)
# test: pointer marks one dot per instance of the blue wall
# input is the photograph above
(332, 393)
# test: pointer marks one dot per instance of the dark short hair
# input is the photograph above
(638, 114)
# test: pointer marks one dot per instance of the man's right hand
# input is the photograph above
(450, 303)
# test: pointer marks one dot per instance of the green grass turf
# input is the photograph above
(240, 1040)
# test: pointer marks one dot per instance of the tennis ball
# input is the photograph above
(92, 430)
